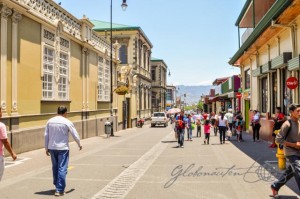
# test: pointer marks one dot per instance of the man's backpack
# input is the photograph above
(287, 134)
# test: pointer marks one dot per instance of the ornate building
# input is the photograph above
(159, 84)
(133, 71)
(50, 58)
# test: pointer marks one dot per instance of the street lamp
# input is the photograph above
(124, 6)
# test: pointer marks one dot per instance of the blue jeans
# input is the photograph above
(189, 133)
(60, 160)
(180, 133)
(293, 170)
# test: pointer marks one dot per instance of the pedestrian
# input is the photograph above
(189, 128)
(229, 117)
(278, 121)
(57, 146)
(198, 123)
(180, 125)
(213, 119)
(174, 126)
(255, 125)
(223, 126)
(240, 117)
(206, 131)
(239, 128)
(4, 143)
(288, 136)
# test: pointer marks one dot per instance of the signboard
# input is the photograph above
(292, 82)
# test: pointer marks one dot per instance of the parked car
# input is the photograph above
(159, 118)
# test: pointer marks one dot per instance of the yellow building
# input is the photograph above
(268, 56)
(159, 84)
(133, 71)
(50, 58)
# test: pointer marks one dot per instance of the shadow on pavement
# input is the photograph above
(51, 192)
(262, 154)
(169, 141)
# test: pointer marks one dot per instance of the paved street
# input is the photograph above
(145, 163)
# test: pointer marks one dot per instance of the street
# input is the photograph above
(145, 163)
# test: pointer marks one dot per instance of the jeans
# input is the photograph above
(222, 130)
(1, 166)
(207, 135)
(60, 160)
(189, 133)
(255, 128)
(180, 133)
(293, 170)
(198, 131)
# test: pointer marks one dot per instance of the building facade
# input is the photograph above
(268, 56)
(171, 97)
(133, 71)
(159, 84)
(50, 58)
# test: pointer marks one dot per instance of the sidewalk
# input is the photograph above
(261, 153)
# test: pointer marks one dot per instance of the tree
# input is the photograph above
(200, 105)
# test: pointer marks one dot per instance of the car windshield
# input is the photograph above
(159, 115)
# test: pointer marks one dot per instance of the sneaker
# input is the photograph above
(274, 191)
(191, 140)
(59, 193)
(182, 146)
(223, 142)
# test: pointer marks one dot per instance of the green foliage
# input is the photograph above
(200, 105)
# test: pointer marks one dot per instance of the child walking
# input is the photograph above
(239, 128)
(206, 131)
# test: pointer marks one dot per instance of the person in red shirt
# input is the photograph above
(278, 119)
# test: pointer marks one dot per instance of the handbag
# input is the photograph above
(229, 133)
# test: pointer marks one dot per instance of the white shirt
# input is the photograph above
(229, 117)
(57, 133)
(222, 122)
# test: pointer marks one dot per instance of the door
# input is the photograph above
(125, 114)
(129, 125)
(247, 108)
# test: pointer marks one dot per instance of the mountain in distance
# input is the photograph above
(193, 93)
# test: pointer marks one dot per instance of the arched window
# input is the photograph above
(123, 54)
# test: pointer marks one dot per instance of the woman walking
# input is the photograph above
(198, 123)
(223, 126)
(256, 125)
(206, 131)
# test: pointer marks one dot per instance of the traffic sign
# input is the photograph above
(292, 82)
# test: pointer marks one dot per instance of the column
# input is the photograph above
(87, 77)
(16, 17)
(83, 68)
(5, 12)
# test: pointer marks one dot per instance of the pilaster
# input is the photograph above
(5, 13)
(16, 17)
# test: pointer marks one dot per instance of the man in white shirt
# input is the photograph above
(57, 146)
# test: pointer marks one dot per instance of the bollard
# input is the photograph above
(281, 158)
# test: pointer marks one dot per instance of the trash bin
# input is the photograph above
(108, 128)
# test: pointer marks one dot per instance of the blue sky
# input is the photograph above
(195, 38)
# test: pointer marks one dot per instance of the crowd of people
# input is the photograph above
(227, 124)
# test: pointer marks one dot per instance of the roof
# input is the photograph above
(220, 80)
(275, 11)
(243, 12)
(104, 26)
(158, 60)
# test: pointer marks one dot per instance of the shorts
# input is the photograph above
(238, 132)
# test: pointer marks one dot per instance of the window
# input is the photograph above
(48, 73)
(274, 94)
(63, 77)
(103, 79)
(55, 65)
(153, 75)
(247, 79)
(123, 54)
(264, 94)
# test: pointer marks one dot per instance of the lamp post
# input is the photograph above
(124, 6)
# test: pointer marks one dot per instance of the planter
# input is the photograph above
(122, 90)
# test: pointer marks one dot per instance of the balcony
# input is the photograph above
(159, 84)
(246, 34)
(144, 72)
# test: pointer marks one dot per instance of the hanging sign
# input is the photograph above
(292, 82)
(239, 95)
